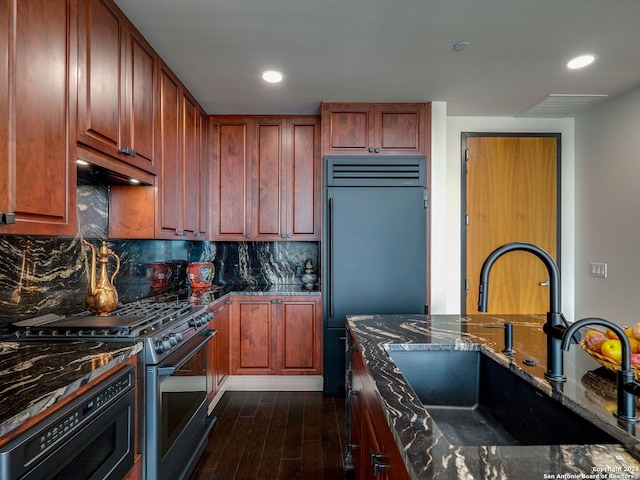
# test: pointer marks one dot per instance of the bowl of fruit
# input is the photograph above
(606, 348)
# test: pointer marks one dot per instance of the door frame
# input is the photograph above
(463, 204)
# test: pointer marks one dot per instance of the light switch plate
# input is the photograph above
(598, 270)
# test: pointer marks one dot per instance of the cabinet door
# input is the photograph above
(116, 86)
(169, 187)
(229, 137)
(303, 179)
(37, 116)
(253, 336)
(348, 128)
(203, 175)
(189, 166)
(140, 117)
(101, 74)
(400, 129)
(356, 418)
(267, 179)
(300, 336)
(221, 324)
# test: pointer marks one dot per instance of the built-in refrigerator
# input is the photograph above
(374, 246)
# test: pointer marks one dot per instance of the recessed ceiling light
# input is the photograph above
(459, 46)
(134, 181)
(81, 162)
(581, 61)
(272, 76)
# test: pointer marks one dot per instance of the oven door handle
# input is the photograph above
(170, 370)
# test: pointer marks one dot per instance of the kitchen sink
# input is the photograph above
(476, 401)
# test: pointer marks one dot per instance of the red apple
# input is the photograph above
(635, 359)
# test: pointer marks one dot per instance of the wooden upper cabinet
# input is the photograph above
(267, 176)
(37, 117)
(183, 180)
(116, 88)
(228, 144)
(379, 128)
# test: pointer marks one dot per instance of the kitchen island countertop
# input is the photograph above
(37, 375)
(589, 391)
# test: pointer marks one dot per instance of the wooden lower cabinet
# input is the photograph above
(276, 335)
(373, 448)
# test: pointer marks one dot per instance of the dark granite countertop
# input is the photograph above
(589, 391)
(35, 376)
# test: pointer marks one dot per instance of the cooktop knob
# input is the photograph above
(158, 347)
(172, 339)
(166, 344)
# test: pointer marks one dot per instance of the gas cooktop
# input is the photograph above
(162, 327)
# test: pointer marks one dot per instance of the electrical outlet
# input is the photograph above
(598, 270)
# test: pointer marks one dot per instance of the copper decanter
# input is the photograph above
(102, 298)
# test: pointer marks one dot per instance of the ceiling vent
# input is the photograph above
(561, 105)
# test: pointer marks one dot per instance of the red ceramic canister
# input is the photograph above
(200, 275)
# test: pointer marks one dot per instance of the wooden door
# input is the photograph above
(511, 196)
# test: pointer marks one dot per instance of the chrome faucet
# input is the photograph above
(556, 324)
(627, 386)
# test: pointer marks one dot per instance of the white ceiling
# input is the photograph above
(392, 51)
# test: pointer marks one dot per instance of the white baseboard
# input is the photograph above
(282, 383)
(268, 383)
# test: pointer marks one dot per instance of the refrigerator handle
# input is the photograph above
(330, 254)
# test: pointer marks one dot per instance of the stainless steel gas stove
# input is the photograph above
(162, 327)
(174, 375)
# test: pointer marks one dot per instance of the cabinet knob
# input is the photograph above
(7, 218)
(248, 235)
(181, 233)
(370, 149)
(376, 150)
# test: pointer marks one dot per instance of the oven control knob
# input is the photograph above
(158, 347)
(172, 339)
(178, 337)
(166, 344)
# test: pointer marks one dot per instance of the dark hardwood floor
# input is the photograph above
(275, 435)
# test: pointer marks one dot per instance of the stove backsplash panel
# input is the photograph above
(40, 275)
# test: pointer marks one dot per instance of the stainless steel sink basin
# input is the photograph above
(476, 401)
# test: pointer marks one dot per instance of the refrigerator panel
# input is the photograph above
(376, 251)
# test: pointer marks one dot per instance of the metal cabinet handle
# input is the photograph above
(128, 151)
(378, 466)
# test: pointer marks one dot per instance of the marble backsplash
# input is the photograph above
(40, 275)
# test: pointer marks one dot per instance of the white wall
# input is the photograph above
(607, 217)
(446, 200)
